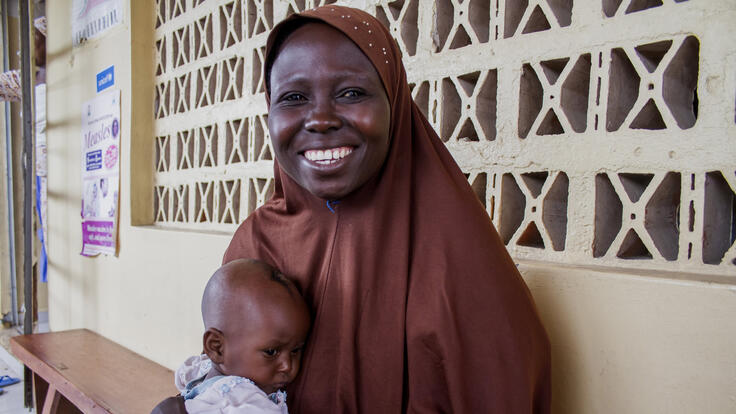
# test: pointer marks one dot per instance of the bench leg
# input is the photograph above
(40, 389)
(51, 403)
(49, 400)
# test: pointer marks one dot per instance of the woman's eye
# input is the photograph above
(351, 93)
(270, 352)
(293, 97)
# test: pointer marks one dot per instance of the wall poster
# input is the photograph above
(100, 173)
(92, 18)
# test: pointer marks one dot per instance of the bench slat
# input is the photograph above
(94, 373)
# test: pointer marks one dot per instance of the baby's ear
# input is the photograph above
(214, 343)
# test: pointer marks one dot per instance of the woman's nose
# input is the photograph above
(322, 118)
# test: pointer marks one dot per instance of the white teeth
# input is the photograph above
(327, 156)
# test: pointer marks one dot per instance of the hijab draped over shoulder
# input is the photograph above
(417, 305)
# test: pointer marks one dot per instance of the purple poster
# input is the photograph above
(100, 173)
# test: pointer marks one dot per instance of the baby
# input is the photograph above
(256, 323)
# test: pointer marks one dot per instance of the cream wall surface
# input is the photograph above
(147, 298)
(646, 342)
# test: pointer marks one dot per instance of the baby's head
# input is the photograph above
(256, 323)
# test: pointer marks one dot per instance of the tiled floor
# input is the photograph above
(11, 400)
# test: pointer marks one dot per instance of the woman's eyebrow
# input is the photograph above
(343, 75)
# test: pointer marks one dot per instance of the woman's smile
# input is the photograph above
(329, 116)
(329, 156)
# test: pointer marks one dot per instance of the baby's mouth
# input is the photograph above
(279, 386)
(327, 156)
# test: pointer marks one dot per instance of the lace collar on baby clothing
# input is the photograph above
(224, 392)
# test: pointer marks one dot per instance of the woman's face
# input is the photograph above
(330, 117)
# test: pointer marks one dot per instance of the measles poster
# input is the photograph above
(100, 173)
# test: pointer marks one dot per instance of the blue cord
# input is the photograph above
(43, 261)
(331, 204)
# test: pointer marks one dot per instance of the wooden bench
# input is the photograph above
(81, 371)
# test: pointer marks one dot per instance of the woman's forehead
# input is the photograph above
(315, 34)
(318, 38)
(316, 50)
(364, 32)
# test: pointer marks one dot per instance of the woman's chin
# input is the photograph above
(330, 193)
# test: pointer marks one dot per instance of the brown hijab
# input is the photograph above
(417, 306)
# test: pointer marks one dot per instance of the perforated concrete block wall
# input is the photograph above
(596, 132)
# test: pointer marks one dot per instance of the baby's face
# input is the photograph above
(267, 347)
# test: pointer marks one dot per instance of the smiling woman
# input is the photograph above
(417, 306)
(329, 116)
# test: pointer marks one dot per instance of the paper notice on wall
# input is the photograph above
(100, 173)
(41, 152)
(41, 173)
(92, 18)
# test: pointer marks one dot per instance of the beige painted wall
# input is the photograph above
(633, 343)
(142, 298)
(621, 342)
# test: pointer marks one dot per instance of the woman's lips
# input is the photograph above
(327, 156)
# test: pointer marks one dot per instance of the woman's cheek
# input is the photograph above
(279, 132)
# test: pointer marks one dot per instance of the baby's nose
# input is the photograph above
(284, 363)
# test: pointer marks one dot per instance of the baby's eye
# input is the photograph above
(270, 352)
(297, 350)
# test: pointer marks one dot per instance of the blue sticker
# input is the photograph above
(106, 78)
(94, 160)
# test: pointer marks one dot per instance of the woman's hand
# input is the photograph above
(171, 405)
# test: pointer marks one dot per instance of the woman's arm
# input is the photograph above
(171, 405)
(474, 340)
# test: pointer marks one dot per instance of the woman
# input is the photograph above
(417, 305)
